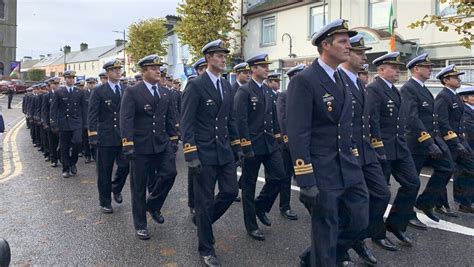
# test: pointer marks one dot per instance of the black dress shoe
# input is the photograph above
(466, 209)
(257, 235)
(446, 211)
(66, 174)
(54, 164)
(415, 223)
(143, 234)
(289, 214)
(211, 261)
(79, 155)
(385, 244)
(118, 198)
(107, 209)
(364, 253)
(263, 218)
(87, 160)
(238, 199)
(74, 169)
(428, 212)
(404, 240)
(5, 253)
(346, 261)
(157, 217)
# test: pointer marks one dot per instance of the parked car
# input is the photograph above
(18, 85)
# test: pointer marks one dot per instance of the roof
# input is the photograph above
(29, 63)
(266, 5)
(48, 60)
(69, 56)
(90, 54)
(113, 52)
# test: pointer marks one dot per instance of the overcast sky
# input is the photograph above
(44, 26)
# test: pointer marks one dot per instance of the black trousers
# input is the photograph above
(44, 140)
(463, 186)
(106, 157)
(85, 145)
(161, 168)
(285, 187)
(70, 143)
(10, 98)
(404, 171)
(36, 134)
(379, 197)
(53, 140)
(340, 219)
(274, 165)
(191, 189)
(210, 208)
(443, 168)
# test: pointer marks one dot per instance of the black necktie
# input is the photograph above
(339, 84)
(155, 93)
(219, 88)
(117, 90)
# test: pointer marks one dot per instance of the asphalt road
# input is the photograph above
(49, 220)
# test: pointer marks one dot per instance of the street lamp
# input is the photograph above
(291, 55)
(124, 41)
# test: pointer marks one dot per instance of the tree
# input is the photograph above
(147, 37)
(203, 21)
(36, 74)
(461, 23)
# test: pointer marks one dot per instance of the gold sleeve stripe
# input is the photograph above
(244, 142)
(302, 168)
(423, 137)
(91, 133)
(376, 143)
(450, 136)
(285, 138)
(127, 143)
(172, 138)
(303, 172)
(235, 142)
(277, 135)
(189, 150)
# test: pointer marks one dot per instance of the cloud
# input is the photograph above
(44, 26)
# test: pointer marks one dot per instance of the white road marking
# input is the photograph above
(442, 224)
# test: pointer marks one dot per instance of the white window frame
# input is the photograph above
(371, 2)
(262, 30)
(310, 26)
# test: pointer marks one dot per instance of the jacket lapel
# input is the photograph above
(328, 83)
(357, 93)
(388, 91)
(211, 89)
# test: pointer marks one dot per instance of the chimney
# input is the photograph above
(119, 42)
(67, 49)
(84, 46)
(41, 56)
(48, 55)
(25, 58)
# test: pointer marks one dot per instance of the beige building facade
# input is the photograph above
(273, 26)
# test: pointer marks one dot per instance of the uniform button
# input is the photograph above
(153, 130)
(397, 134)
(115, 126)
(153, 123)
(339, 137)
(164, 116)
(362, 117)
(398, 126)
(217, 127)
(264, 131)
(363, 126)
(225, 118)
(153, 116)
(115, 119)
(339, 150)
(164, 131)
(363, 136)
(217, 137)
(67, 109)
(217, 119)
(338, 125)
(270, 113)
(264, 122)
(115, 112)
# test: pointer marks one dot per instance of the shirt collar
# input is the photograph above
(389, 84)
(422, 84)
(238, 82)
(469, 105)
(452, 91)
(259, 84)
(112, 85)
(149, 85)
(351, 75)
(213, 77)
(327, 69)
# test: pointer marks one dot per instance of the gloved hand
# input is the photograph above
(129, 154)
(434, 151)
(249, 154)
(309, 195)
(194, 166)
(462, 151)
(239, 158)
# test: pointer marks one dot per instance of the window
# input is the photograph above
(379, 13)
(318, 17)
(85, 66)
(368, 38)
(78, 66)
(268, 31)
(2, 9)
(444, 9)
